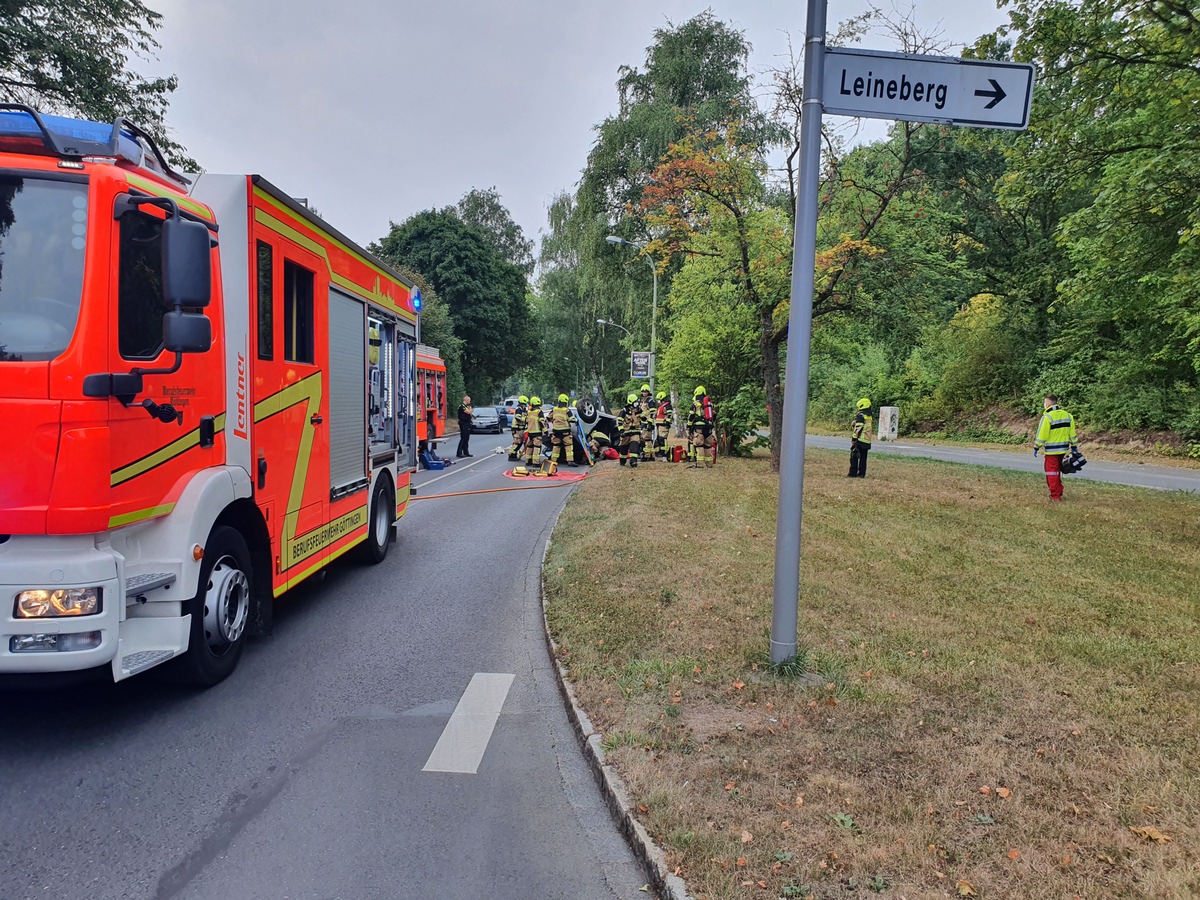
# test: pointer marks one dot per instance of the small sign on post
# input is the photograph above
(639, 364)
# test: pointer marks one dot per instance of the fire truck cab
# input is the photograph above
(208, 394)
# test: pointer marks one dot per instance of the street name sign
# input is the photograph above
(946, 89)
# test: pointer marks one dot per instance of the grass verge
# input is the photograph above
(1006, 702)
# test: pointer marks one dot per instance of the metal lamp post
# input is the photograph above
(641, 248)
(614, 325)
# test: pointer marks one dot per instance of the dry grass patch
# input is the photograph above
(1007, 697)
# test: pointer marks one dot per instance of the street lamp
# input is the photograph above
(614, 325)
(641, 248)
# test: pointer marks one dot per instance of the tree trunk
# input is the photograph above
(768, 346)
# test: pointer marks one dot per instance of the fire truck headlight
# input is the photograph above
(47, 604)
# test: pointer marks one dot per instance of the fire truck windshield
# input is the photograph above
(43, 227)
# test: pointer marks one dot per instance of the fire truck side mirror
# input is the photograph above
(186, 263)
(186, 332)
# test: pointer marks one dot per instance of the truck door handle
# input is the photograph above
(316, 419)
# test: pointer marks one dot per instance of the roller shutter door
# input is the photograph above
(347, 391)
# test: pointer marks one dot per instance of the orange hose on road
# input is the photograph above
(522, 487)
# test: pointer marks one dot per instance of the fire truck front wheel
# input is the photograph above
(383, 511)
(220, 610)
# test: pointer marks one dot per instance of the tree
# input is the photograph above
(706, 198)
(72, 58)
(485, 293)
(1122, 81)
(484, 211)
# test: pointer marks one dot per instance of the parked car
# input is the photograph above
(508, 409)
(485, 419)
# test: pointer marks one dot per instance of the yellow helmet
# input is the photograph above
(535, 401)
(632, 398)
(522, 399)
(661, 395)
(864, 403)
(563, 398)
(699, 390)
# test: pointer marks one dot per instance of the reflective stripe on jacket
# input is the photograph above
(1056, 432)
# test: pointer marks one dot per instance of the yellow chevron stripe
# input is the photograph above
(130, 518)
(164, 454)
(306, 390)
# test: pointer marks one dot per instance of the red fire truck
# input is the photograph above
(431, 394)
(209, 396)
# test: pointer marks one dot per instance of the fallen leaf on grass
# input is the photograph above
(1014, 853)
(1150, 833)
(985, 789)
(642, 808)
(747, 837)
(739, 684)
(741, 861)
(1003, 793)
(965, 889)
(731, 786)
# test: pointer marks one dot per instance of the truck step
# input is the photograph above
(137, 585)
(137, 662)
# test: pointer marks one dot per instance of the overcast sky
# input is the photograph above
(377, 109)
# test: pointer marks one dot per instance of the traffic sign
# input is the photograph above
(880, 85)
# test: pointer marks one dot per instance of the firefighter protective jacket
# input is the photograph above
(534, 423)
(560, 418)
(1056, 432)
(861, 430)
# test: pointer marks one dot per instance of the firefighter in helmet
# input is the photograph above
(860, 438)
(662, 423)
(561, 440)
(631, 430)
(646, 410)
(533, 433)
(700, 428)
(517, 426)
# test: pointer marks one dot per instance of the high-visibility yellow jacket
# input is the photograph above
(560, 418)
(533, 424)
(861, 430)
(1056, 432)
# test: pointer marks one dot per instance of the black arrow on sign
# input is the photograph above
(997, 93)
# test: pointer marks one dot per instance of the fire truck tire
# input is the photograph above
(379, 534)
(220, 610)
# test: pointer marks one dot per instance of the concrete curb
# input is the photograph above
(667, 885)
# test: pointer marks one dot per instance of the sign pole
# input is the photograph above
(795, 394)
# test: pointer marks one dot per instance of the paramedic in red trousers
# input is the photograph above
(1055, 438)
(860, 439)
(464, 427)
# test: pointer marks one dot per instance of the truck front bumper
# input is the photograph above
(58, 643)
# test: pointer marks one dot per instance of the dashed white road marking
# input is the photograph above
(465, 738)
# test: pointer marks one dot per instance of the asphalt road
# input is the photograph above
(306, 775)
(1163, 478)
